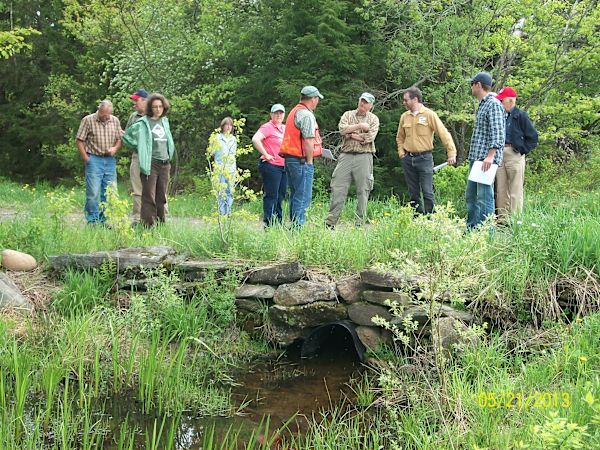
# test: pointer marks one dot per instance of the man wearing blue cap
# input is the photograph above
(138, 98)
(487, 145)
(301, 144)
(359, 128)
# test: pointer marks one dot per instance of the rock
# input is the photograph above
(18, 261)
(420, 314)
(390, 280)
(306, 316)
(351, 289)
(277, 274)
(362, 313)
(379, 298)
(303, 292)
(124, 259)
(452, 332)
(369, 336)
(449, 311)
(255, 291)
(11, 297)
(248, 305)
(195, 270)
(283, 335)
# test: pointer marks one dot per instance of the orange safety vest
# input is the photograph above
(292, 138)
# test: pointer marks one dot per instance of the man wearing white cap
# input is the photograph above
(301, 144)
(521, 138)
(358, 128)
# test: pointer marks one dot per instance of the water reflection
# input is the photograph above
(288, 387)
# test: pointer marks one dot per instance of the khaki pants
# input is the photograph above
(351, 166)
(509, 183)
(136, 186)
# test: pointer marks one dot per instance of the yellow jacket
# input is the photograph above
(415, 133)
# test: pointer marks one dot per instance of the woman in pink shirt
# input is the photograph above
(267, 140)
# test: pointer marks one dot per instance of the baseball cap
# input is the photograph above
(140, 93)
(483, 78)
(277, 107)
(310, 91)
(505, 92)
(368, 97)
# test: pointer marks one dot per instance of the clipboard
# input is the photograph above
(477, 175)
(440, 166)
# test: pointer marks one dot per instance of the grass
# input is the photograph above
(58, 367)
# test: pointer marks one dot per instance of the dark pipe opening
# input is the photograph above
(333, 337)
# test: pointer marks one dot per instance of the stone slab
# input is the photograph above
(264, 291)
(380, 297)
(11, 297)
(276, 274)
(124, 259)
(362, 313)
(306, 316)
(304, 292)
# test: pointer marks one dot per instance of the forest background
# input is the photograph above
(212, 58)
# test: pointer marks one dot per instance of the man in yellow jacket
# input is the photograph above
(415, 146)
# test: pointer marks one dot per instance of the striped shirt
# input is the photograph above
(489, 132)
(99, 136)
(353, 117)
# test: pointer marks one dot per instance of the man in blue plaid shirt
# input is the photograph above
(487, 145)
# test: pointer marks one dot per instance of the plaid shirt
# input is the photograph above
(489, 130)
(99, 136)
(353, 117)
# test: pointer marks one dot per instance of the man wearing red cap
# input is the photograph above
(521, 138)
(138, 98)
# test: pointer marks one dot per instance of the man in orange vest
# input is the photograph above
(301, 143)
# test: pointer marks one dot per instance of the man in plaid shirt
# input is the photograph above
(98, 140)
(487, 145)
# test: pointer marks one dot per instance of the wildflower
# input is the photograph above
(583, 359)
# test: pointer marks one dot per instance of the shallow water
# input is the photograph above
(288, 387)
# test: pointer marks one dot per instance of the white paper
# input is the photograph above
(328, 154)
(479, 176)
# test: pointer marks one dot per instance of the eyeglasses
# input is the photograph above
(158, 107)
(474, 82)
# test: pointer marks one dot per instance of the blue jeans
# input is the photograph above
(100, 171)
(225, 195)
(480, 202)
(418, 173)
(300, 178)
(274, 186)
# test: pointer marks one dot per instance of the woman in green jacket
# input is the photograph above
(151, 136)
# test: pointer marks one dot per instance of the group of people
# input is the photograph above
(503, 135)
(149, 136)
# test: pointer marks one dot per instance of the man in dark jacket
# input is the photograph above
(521, 138)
